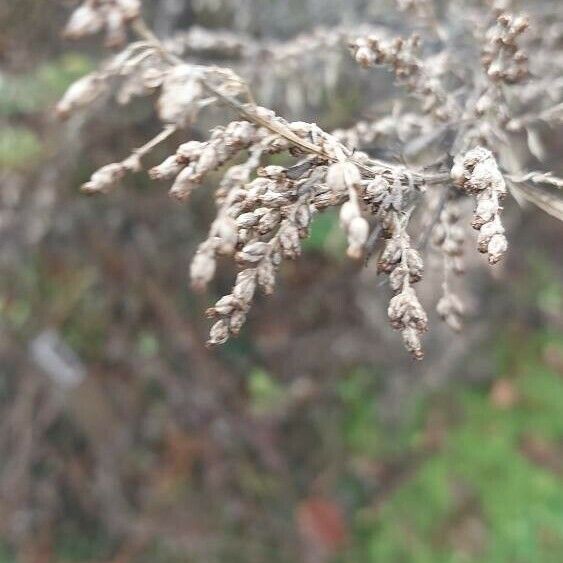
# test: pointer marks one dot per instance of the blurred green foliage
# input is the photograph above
(481, 497)
(472, 480)
(326, 236)
(21, 97)
(19, 148)
(33, 91)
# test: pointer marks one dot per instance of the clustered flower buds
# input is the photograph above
(345, 176)
(407, 316)
(405, 266)
(451, 310)
(501, 57)
(262, 249)
(264, 211)
(194, 160)
(181, 92)
(111, 16)
(478, 174)
(81, 94)
(448, 236)
(402, 56)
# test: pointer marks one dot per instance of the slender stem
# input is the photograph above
(165, 134)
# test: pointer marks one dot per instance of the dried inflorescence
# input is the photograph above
(478, 174)
(449, 237)
(402, 56)
(502, 58)
(265, 211)
(109, 16)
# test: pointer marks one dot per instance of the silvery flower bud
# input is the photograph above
(485, 211)
(116, 31)
(486, 234)
(412, 343)
(245, 285)
(269, 221)
(266, 277)
(272, 172)
(415, 264)
(497, 248)
(224, 307)
(238, 319)
(253, 252)
(80, 94)
(247, 220)
(451, 309)
(225, 229)
(482, 176)
(184, 185)
(208, 160)
(105, 179)
(377, 189)
(390, 256)
(219, 333)
(85, 20)
(202, 269)
(130, 9)
(303, 216)
(189, 151)
(167, 169)
(397, 278)
(181, 90)
(358, 232)
(406, 311)
(289, 242)
(348, 212)
(365, 56)
(458, 174)
(343, 176)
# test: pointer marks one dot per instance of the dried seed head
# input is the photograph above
(483, 179)
(405, 311)
(203, 267)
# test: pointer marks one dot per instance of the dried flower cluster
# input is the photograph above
(477, 173)
(501, 57)
(401, 55)
(110, 16)
(264, 211)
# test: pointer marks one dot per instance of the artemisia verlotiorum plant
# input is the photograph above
(264, 211)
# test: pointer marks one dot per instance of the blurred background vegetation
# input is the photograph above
(310, 438)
